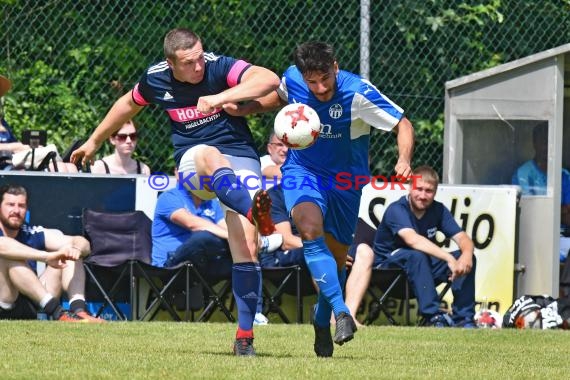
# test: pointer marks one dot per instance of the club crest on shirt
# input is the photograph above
(431, 232)
(335, 111)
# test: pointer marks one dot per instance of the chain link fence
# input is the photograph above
(69, 60)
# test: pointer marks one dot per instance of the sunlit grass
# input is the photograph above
(136, 350)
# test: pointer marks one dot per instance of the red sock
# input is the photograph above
(244, 333)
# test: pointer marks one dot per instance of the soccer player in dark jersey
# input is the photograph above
(325, 207)
(213, 149)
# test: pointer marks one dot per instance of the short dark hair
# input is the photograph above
(179, 39)
(314, 56)
(14, 190)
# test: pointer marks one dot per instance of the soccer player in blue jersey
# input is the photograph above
(192, 87)
(326, 215)
(406, 238)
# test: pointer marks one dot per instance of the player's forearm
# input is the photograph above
(405, 140)
(11, 249)
(256, 83)
(123, 110)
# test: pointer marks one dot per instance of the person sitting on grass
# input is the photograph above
(21, 246)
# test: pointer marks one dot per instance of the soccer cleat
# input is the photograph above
(440, 320)
(67, 316)
(244, 347)
(323, 341)
(260, 213)
(88, 317)
(345, 329)
(466, 324)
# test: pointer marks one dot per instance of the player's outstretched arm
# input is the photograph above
(123, 110)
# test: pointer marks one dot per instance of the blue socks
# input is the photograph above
(246, 279)
(323, 269)
(231, 191)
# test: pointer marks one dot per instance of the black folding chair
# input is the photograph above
(278, 281)
(216, 291)
(392, 284)
(120, 262)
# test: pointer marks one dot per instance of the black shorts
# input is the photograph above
(23, 309)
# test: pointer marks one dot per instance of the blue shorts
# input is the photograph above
(339, 207)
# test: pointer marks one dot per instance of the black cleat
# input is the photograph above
(345, 329)
(323, 341)
(244, 347)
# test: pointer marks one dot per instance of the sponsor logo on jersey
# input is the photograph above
(326, 132)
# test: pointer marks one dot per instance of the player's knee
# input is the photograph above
(364, 254)
(211, 158)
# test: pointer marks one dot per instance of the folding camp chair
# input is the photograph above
(120, 262)
(281, 279)
(392, 283)
(216, 291)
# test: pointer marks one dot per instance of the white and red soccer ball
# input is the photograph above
(297, 125)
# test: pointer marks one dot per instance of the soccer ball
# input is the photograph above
(297, 125)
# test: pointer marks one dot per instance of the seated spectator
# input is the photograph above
(405, 239)
(271, 163)
(186, 227)
(9, 143)
(121, 161)
(21, 246)
(531, 177)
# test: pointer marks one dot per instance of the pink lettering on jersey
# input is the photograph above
(138, 98)
(186, 114)
(237, 69)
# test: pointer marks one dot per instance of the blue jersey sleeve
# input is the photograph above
(397, 218)
(166, 204)
(449, 226)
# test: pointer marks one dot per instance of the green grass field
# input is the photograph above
(169, 350)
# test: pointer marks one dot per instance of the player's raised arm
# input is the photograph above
(123, 110)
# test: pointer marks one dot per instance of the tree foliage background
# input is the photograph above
(69, 60)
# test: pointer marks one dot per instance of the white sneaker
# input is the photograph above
(270, 243)
(260, 320)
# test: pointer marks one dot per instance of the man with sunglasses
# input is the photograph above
(122, 161)
(213, 149)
